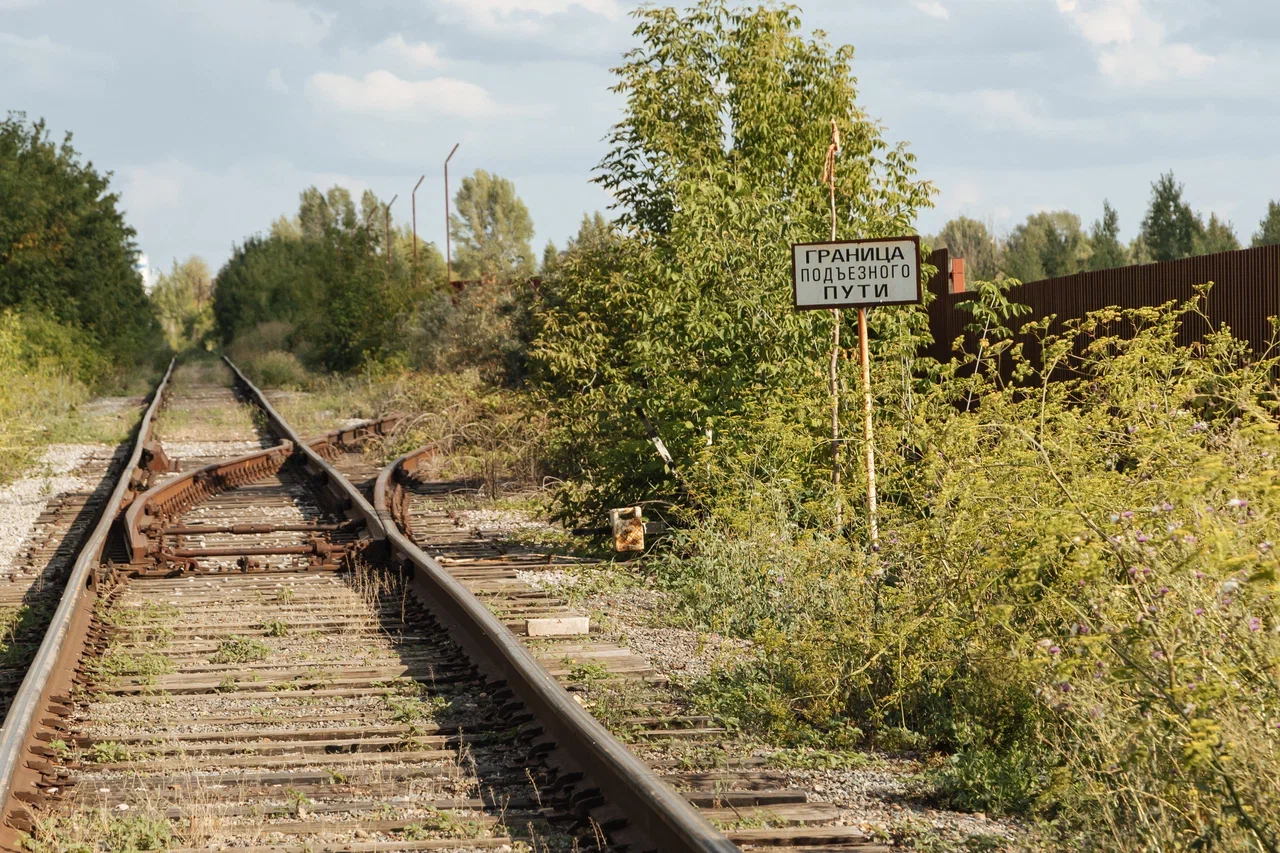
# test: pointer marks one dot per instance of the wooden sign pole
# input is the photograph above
(872, 271)
(868, 434)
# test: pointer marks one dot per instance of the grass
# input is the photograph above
(240, 650)
(101, 831)
(276, 628)
(444, 824)
(117, 663)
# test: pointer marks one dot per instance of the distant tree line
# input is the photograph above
(1055, 243)
(337, 287)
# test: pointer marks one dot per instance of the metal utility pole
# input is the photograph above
(388, 227)
(413, 203)
(448, 249)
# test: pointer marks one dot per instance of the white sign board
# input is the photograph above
(856, 273)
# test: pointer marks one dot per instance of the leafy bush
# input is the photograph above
(277, 369)
(495, 435)
(484, 326)
(1074, 592)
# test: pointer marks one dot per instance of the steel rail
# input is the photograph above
(326, 476)
(20, 723)
(657, 817)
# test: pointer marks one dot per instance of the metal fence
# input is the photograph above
(1245, 294)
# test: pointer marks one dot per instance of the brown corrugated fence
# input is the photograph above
(1245, 294)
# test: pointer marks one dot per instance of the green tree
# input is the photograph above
(1139, 251)
(431, 267)
(970, 239)
(550, 257)
(1047, 245)
(328, 279)
(1107, 252)
(184, 303)
(1170, 230)
(1269, 229)
(65, 248)
(683, 313)
(491, 230)
(1218, 236)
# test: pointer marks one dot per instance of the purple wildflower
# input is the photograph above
(1255, 624)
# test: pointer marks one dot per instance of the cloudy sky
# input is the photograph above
(213, 114)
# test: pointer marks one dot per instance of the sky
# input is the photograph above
(214, 114)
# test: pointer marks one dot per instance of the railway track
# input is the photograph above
(252, 659)
(760, 807)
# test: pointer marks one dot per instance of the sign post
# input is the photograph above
(859, 274)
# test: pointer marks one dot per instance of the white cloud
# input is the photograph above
(276, 83)
(14, 5)
(523, 15)
(43, 63)
(419, 54)
(932, 8)
(381, 92)
(270, 21)
(1011, 109)
(1131, 43)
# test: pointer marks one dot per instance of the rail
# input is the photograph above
(657, 816)
(620, 793)
(50, 669)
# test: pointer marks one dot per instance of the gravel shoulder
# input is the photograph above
(62, 469)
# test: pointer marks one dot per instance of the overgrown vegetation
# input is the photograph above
(239, 649)
(73, 316)
(1073, 595)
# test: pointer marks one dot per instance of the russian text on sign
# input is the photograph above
(856, 273)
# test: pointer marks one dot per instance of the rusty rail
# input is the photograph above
(656, 816)
(617, 790)
(51, 670)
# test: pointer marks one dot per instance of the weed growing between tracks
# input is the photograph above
(489, 435)
(1074, 595)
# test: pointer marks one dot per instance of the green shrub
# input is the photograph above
(240, 650)
(1074, 592)
(277, 369)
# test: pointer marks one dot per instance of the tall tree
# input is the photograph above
(1269, 229)
(1106, 250)
(550, 257)
(184, 302)
(65, 248)
(491, 230)
(1047, 245)
(1218, 236)
(1170, 230)
(970, 239)
(716, 167)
